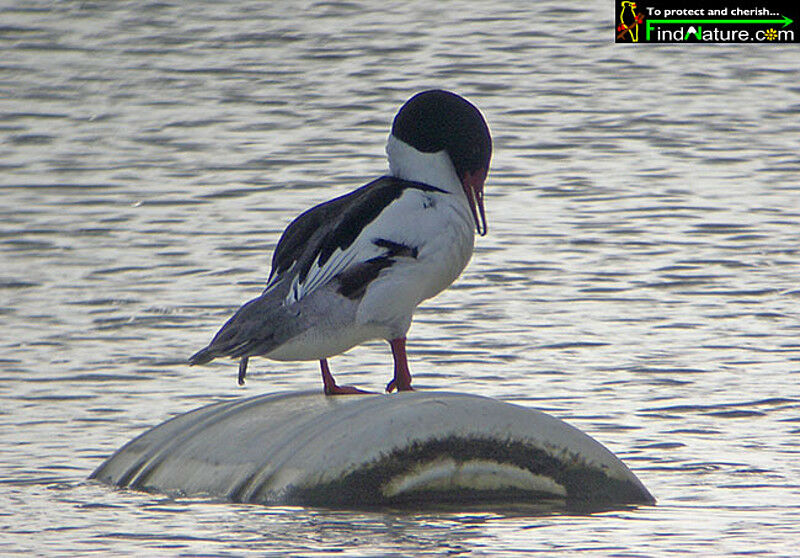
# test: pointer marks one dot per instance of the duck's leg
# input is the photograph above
(330, 384)
(242, 370)
(402, 375)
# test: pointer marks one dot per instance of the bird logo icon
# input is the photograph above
(629, 21)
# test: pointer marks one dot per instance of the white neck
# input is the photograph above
(433, 169)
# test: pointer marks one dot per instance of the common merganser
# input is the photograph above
(355, 268)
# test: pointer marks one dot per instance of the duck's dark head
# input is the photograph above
(440, 121)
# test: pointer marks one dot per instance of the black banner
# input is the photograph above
(713, 21)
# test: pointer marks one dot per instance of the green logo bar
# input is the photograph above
(649, 23)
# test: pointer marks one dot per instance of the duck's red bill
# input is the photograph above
(473, 188)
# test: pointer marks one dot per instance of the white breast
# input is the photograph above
(440, 227)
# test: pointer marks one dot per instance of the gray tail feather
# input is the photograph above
(202, 357)
(251, 331)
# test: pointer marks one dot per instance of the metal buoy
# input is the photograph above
(418, 448)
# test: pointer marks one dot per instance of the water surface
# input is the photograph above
(640, 279)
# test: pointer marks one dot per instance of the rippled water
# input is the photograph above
(641, 278)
